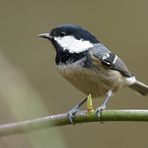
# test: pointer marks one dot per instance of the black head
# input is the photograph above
(70, 30)
(73, 30)
(70, 40)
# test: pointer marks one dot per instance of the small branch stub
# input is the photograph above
(89, 104)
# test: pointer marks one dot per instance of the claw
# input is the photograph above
(70, 117)
(103, 106)
(74, 110)
(99, 110)
(71, 113)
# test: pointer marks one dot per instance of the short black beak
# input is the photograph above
(45, 36)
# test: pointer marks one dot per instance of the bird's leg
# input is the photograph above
(103, 106)
(74, 110)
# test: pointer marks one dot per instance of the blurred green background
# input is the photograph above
(31, 87)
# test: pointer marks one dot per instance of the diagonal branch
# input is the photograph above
(61, 120)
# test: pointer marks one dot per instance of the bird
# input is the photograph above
(89, 66)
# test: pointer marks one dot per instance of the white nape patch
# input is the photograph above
(72, 44)
(131, 80)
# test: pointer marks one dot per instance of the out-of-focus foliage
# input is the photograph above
(21, 102)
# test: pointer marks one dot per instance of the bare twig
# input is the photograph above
(61, 119)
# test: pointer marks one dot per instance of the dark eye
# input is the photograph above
(62, 34)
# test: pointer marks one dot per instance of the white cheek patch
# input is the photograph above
(72, 44)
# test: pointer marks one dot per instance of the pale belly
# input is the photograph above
(95, 82)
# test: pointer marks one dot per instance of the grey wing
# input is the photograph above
(109, 59)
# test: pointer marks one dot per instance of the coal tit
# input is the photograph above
(89, 66)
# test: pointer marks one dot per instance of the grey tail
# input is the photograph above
(140, 88)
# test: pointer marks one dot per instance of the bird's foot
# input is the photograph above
(103, 106)
(74, 110)
(71, 113)
(99, 110)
